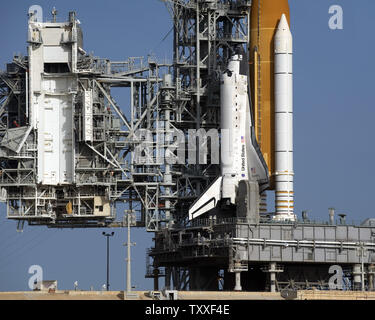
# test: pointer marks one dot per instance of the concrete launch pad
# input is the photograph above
(71, 171)
(188, 295)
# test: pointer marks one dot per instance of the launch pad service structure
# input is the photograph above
(69, 153)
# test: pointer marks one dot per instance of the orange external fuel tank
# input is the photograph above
(264, 19)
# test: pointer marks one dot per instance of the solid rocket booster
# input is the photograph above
(283, 72)
(241, 158)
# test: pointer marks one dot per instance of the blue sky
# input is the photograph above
(334, 112)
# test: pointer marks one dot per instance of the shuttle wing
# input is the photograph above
(208, 200)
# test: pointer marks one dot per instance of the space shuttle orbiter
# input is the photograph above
(244, 172)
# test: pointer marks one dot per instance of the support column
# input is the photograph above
(168, 278)
(272, 269)
(238, 286)
(273, 276)
(371, 272)
(371, 282)
(156, 279)
(356, 276)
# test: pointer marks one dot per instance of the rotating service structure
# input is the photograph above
(66, 145)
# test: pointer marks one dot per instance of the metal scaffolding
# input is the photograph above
(102, 141)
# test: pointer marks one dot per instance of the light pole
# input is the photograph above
(129, 244)
(130, 221)
(128, 276)
(108, 235)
